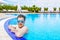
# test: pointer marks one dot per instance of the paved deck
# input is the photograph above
(3, 33)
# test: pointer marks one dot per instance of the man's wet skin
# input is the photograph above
(20, 30)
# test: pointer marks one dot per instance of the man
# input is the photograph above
(20, 30)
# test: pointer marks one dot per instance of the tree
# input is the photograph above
(9, 7)
(37, 9)
(40, 8)
(45, 9)
(34, 9)
(59, 9)
(54, 9)
(1, 8)
(24, 7)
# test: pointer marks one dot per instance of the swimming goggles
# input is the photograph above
(20, 21)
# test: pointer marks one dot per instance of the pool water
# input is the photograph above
(41, 26)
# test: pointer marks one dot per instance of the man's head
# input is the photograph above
(21, 20)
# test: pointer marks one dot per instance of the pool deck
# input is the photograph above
(34, 13)
(3, 33)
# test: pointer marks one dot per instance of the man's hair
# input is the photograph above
(21, 16)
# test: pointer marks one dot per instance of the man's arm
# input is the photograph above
(13, 29)
(21, 32)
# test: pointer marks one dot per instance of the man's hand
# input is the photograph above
(13, 29)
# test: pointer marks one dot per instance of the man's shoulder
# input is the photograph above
(25, 27)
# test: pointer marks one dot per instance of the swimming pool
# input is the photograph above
(41, 26)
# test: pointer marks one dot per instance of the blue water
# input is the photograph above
(41, 26)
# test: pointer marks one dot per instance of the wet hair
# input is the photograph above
(21, 16)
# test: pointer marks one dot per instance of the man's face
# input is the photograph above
(20, 22)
